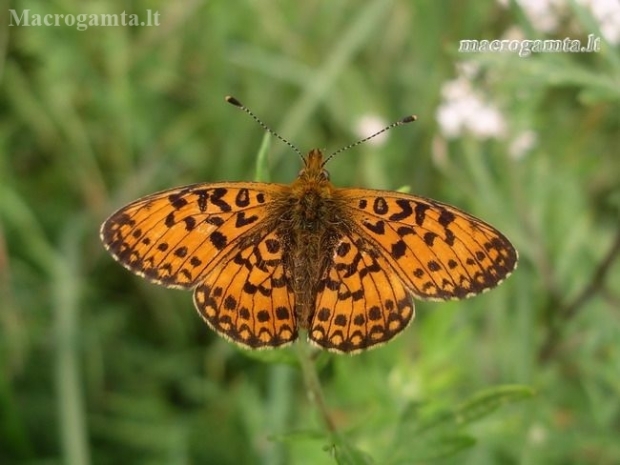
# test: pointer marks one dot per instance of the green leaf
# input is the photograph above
(262, 168)
(436, 448)
(346, 454)
(422, 437)
(486, 402)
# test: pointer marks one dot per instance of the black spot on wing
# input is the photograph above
(405, 210)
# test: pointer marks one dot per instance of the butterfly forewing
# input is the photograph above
(438, 251)
(176, 237)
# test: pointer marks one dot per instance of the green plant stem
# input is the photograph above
(568, 311)
(313, 385)
(71, 409)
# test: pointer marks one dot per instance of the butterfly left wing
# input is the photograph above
(438, 251)
(248, 297)
(361, 302)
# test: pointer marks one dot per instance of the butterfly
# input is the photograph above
(267, 260)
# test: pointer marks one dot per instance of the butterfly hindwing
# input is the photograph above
(360, 302)
(248, 298)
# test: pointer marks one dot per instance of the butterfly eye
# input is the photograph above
(325, 175)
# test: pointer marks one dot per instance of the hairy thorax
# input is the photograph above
(311, 217)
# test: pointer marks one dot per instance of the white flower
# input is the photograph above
(513, 33)
(537, 434)
(607, 13)
(468, 68)
(522, 144)
(464, 111)
(368, 125)
(547, 15)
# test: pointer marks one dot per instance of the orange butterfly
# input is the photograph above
(265, 260)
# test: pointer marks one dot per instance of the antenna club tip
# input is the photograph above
(409, 119)
(233, 101)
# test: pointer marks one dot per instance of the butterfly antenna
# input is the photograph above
(237, 103)
(400, 122)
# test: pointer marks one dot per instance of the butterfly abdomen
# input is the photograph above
(308, 218)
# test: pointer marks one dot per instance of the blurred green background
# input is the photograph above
(98, 366)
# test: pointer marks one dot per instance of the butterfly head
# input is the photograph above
(313, 170)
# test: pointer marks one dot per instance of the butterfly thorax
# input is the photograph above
(313, 212)
(311, 194)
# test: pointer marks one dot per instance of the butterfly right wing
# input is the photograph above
(177, 236)
(361, 302)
